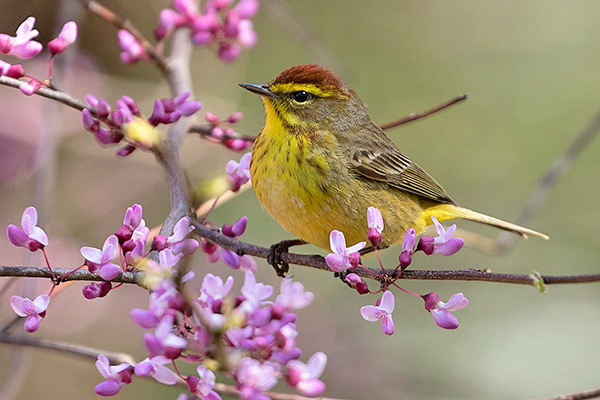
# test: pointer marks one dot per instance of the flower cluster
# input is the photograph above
(257, 337)
(224, 135)
(23, 46)
(348, 258)
(126, 122)
(130, 239)
(228, 27)
(231, 259)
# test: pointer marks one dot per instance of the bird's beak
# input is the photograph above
(262, 90)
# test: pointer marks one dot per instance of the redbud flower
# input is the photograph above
(155, 367)
(68, 35)
(29, 88)
(442, 311)
(34, 310)
(30, 236)
(203, 387)
(96, 289)
(132, 49)
(213, 288)
(254, 378)
(293, 296)
(375, 223)
(99, 261)
(117, 376)
(382, 310)
(342, 257)
(358, 283)
(408, 248)
(304, 377)
(444, 243)
(178, 242)
(21, 45)
(239, 173)
(255, 292)
(12, 71)
(163, 342)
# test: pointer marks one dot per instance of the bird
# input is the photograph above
(320, 161)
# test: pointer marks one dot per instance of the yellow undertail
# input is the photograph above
(445, 212)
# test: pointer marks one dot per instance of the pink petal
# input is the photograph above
(387, 324)
(444, 319)
(18, 305)
(371, 313)
(17, 236)
(41, 303)
(165, 375)
(387, 302)
(456, 302)
(109, 271)
(39, 235)
(29, 220)
(337, 242)
(91, 254)
(108, 388)
(110, 249)
(69, 32)
(357, 247)
(32, 323)
(316, 364)
(337, 262)
(310, 387)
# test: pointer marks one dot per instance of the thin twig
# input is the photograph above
(590, 394)
(58, 95)
(135, 277)
(415, 116)
(86, 352)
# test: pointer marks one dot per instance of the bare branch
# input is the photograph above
(415, 116)
(591, 394)
(58, 95)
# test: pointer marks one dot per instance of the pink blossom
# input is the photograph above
(381, 311)
(254, 378)
(444, 243)
(67, 36)
(34, 310)
(255, 292)
(442, 312)
(117, 376)
(342, 257)
(375, 223)
(203, 386)
(132, 49)
(239, 173)
(21, 45)
(293, 296)
(99, 261)
(408, 248)
(154, 366)
(358, 283)
(29, 235)
(304, 377)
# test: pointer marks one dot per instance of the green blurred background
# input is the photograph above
(532, 73)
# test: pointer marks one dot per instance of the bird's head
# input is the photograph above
(308, 97)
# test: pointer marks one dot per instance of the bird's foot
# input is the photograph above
(276, 250)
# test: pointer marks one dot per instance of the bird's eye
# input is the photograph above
(301, 96)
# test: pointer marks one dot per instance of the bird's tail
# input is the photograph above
(448, 211)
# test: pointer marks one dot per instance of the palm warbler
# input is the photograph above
(320, 162)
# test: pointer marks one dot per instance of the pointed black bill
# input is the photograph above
(262, 90)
